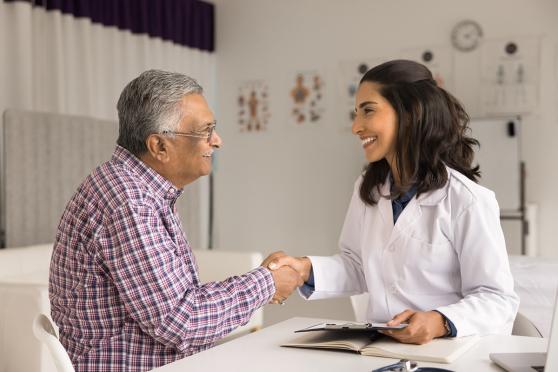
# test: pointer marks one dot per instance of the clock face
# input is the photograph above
(466, 35)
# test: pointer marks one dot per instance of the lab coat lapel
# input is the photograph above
(406, 218)
(413, 210)
(409, 216)
(384, 203)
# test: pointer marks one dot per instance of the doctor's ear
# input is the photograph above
(157, 147)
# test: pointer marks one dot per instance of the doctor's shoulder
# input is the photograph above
(465, 193)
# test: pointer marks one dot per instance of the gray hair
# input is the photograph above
(151, 104)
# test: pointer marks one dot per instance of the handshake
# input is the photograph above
(288, 274)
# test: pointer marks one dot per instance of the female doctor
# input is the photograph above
(420, 236)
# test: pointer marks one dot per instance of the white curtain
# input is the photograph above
(55, 62)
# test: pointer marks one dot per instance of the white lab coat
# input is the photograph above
(446, 252)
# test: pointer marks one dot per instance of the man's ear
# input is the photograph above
(157, 147)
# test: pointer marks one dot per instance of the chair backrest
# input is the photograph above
(522, 326)
(44, 331)
(217, 265)
(360, 306)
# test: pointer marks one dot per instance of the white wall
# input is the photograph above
(289, 188)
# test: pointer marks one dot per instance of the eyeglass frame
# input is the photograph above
(405, 365)
(210, 132)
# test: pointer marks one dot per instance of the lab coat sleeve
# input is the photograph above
(489, 303)
(342, 274)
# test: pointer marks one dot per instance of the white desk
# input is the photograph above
(260, 351)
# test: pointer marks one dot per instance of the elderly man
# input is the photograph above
(124, 287)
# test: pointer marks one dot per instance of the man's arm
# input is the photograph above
(156, 284)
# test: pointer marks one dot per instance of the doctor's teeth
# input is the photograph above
(368, 140)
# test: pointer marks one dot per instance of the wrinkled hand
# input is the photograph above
(286, 281)
(279, 259)
(272, 257)
(424, 326)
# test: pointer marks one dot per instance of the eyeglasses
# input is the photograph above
(205, 134)
(405, 365)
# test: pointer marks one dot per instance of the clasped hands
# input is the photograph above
(288, 273)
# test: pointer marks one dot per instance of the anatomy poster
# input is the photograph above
(510, 75)
(306, 94)
(438, 59)
(253, 106)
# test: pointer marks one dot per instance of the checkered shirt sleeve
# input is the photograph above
(155, 278)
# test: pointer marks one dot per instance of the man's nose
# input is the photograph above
(216, 140)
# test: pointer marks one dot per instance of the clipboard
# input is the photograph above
(351, 327)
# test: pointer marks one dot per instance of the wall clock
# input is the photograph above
(466, 35)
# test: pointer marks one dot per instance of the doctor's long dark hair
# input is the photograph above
(432, 131)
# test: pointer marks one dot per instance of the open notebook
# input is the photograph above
(441, 350)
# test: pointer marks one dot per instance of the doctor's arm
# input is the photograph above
(489, 303)
(422, 326)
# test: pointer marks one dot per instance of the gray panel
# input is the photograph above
(45, 158)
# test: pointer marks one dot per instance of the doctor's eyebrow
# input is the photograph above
(364, 104)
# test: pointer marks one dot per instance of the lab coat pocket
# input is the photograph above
(429, 268)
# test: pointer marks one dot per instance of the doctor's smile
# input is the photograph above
(368, 141)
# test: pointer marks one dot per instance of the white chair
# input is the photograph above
(23, 295)
(522, 326)
(44, 331)
(360, 306)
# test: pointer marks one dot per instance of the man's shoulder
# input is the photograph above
(112, 185)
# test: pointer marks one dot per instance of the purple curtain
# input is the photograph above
(185, 22)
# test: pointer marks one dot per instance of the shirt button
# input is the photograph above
(393, 289)
(391, 248)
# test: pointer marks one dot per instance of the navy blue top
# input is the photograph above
(397, 205)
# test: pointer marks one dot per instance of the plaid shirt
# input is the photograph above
(124, 287)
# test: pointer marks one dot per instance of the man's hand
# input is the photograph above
(423, 327)
(279, 259)
(286, 281)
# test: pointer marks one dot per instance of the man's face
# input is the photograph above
(190, 157)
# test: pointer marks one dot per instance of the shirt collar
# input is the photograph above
(159, 184)
(403, 198)
(408, 195)
(432, 197)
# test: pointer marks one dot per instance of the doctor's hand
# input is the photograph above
(286, 280)
(424, 326)
(279, 259)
